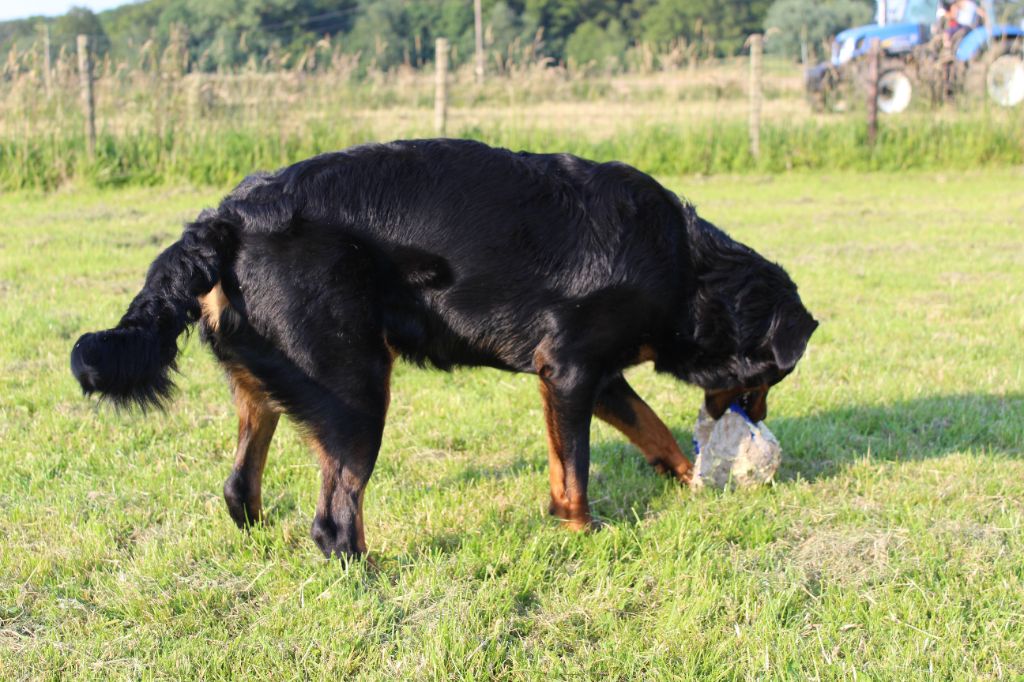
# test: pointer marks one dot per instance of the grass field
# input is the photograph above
(891, 547)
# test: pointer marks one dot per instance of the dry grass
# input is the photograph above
(158, 94)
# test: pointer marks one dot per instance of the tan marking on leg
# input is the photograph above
(556, 473)
(257, 421)
(650, 435)
(212, 305)
(328, 466)
(334, 477)
(567, 501)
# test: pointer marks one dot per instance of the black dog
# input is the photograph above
(310, 280)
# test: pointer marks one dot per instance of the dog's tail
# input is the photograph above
(130, 364)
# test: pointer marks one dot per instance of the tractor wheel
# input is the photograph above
(895, 91)
(1004, 80)
(997, 74)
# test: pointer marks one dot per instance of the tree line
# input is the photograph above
(220, 34)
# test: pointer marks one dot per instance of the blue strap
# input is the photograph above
(735, 407)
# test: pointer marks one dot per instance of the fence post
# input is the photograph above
(441, 86)
(88, 102)
(874, 58)
(756, 73)
(478, 22)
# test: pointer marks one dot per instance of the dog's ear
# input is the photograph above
(791, 330)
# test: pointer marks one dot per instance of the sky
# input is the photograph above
(18, 9)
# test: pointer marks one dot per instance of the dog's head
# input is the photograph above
(749, 326)
(760, 364)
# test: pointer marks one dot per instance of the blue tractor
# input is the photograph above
(919, 49)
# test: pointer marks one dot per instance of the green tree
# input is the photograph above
(380, 31)
(502, 24)
(20, 33)
(129, 26)
(79, 21)
(821, 20)
(592, 43)
(725, 22)
(228, 33)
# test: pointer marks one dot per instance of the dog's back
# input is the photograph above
(477, 251)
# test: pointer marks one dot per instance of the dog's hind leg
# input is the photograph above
(619, 405)
(257, 421)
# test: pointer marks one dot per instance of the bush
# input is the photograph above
(821, 19)
(590, 43)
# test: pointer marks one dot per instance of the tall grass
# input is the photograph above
(221, 157)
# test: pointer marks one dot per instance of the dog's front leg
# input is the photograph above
(568, 393)
(619, 405)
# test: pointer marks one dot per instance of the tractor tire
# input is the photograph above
(895, 90)
(1005, 80)
(998, 74)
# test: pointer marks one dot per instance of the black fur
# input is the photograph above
(130, 364)
(450, 253)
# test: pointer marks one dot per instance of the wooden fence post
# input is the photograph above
(478, 22)
(88, 102)
(756, 74)
(441, 86)
(874, 58)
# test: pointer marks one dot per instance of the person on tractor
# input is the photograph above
(961, 17)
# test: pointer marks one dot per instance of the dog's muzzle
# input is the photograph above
(754, 401)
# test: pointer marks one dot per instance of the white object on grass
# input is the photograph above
(733, 451)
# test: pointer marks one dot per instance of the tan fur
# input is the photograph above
(568, 502)
(650, 435)
(213, 303)
(333, 477)
(257, 421)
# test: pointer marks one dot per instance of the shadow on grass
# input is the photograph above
(475, 473)
(821, 445)
(824, 444)
(817, 446)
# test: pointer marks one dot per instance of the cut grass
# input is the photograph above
(891, 547)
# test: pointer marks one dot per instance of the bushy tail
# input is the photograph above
(130, 364)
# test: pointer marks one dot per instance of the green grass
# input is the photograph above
(892, 547)
(217, 155)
